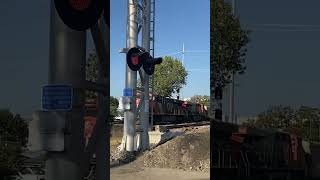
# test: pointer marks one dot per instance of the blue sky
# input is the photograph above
(24, 47)
(177, 22)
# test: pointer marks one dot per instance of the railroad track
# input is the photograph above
(194, 124)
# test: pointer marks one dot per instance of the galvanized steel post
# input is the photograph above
(146, 45)
(67, 66)
(131, 79)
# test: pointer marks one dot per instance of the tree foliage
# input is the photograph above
(228, 42)
(13, 137)
(228, 46)
(304, 121)
(204, 100)
(92, 75)
(169, 77)
(114, 103)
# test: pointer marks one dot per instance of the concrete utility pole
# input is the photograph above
(144, 120)
(67, 66)
(131, 79)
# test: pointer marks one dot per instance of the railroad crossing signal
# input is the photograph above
(79, 14)
(137, 57)
(133, 59)
(149, 63)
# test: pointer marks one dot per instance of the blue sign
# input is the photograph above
(57, 97)
(128, 92)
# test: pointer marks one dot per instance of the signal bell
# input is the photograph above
(137, 57)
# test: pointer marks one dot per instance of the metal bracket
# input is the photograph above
(141, 74)
(124, 50)
(47, 130)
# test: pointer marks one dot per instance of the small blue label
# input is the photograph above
(128, 92)
(57, 97)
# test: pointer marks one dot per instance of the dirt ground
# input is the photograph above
(190, 151)
(131, 172)
(185, 157)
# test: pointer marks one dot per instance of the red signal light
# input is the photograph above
(79, 15)
(80, 5)
(135, 60)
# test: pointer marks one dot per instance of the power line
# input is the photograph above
(284, 30)
(199, 69)
(284, 27)
(197, 51)
(287, 25)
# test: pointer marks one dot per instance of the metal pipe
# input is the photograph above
(222, 158)
(102, 144)
(131, 79)
(219, 158)
(67, 59)
(153, 41)
(231, 113)
(146, 45)
(244, 162)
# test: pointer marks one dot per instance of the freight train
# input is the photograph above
(165, 110)
(251, 153)
(174, 111)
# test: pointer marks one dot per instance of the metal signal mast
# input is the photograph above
(58, 128)
(140, 19)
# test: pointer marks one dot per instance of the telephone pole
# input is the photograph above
(231, 111)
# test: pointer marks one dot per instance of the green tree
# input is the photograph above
(228, 45)
(228, 42)
(249, 123)
(282, 117)
(304, 121)
(114, 103)
(204, 100)
(307, 121)
(13, 137)
(92, 75)
(169, 76)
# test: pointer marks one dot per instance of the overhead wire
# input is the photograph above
(284, 27)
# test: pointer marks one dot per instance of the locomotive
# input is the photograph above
(251, 153)
(165, 111)
(174, 111)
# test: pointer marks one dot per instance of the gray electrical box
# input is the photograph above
(46, 131)
(125, 103)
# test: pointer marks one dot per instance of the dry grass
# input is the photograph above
(115, 141)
